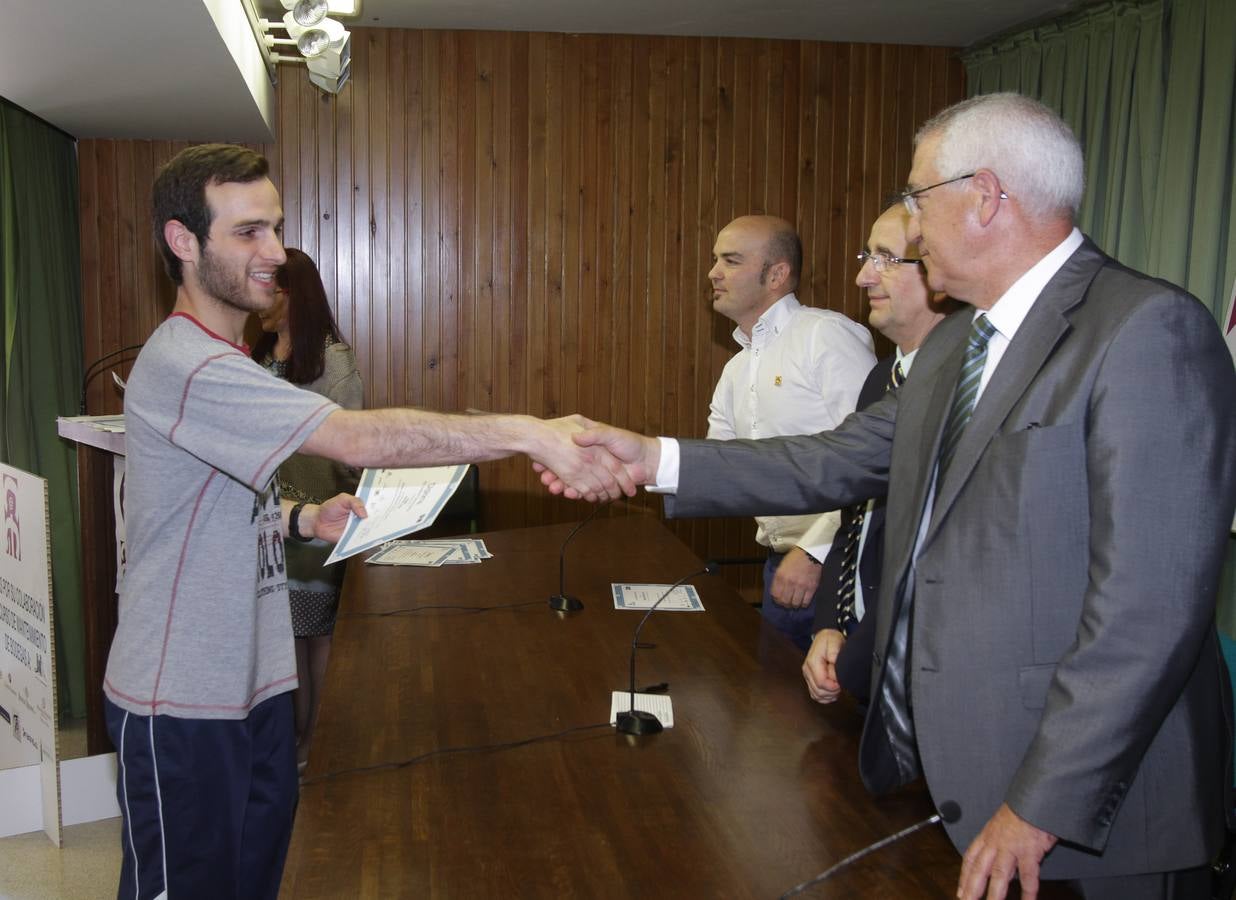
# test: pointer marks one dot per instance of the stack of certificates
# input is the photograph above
(454, 552)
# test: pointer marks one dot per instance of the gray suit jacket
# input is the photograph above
(1063, 653)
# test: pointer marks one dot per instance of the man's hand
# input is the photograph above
(577, 470)
(1008, 845)
(631, 459)
(326, 522)
(820, 666)
(796, 579)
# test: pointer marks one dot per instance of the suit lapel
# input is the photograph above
(1025, 357)
(921, 408)
(877, 381)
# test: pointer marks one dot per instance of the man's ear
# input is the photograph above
(989, 193)
(779, 274)
(181, 240)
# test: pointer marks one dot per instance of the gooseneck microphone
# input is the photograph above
(562, 601)
(948, 812)
(637, 721)
(98, 366)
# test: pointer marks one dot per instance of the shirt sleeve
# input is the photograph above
(818, 538)
(721, 409)
(842, 356)
(235, 416)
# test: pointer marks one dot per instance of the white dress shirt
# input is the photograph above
(799, 372)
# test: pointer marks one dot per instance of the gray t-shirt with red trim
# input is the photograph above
(204, 629)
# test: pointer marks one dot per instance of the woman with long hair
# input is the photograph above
(301, 343)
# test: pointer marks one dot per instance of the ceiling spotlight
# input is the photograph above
(333, 31)
(345, 8)
(323, 44)
(312, 42)
(308, 13)
(334, 59)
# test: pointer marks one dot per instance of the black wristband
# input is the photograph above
(294, 525)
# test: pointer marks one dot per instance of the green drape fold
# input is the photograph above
(41, 368)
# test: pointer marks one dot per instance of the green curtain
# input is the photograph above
(41, 365)
(1150, 89)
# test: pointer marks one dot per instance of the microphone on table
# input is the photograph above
(562, 601)
(949, 812)
(637, 721)
(98, 366)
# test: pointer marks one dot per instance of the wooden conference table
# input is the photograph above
(752, 791)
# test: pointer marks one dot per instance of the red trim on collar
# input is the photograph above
(243, 348)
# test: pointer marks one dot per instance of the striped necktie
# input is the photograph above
(854, 516)
(894, 699)
(966, 394)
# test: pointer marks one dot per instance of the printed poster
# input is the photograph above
(27, 640)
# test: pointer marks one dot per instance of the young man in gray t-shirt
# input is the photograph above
(201, 668)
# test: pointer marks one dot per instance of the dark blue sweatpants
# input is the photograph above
(207, 804)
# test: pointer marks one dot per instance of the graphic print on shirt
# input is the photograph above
(269, 518)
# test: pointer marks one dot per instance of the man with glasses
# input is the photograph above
(904, 310)
(1061, 476)
(798, 372)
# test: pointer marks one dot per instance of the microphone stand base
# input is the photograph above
(565, 603)
(638, 722)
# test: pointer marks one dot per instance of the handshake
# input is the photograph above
(586, 460)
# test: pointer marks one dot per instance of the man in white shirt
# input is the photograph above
(798, 371)
(903, 309)
(1061, 477)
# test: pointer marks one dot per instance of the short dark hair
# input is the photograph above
(180, 191)
(785, 246)
(310, 322)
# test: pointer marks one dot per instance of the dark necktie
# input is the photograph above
(894, 696)
(852, 534)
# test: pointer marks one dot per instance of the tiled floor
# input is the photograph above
(86, 867)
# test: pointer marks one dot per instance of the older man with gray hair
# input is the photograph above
(1061, 476)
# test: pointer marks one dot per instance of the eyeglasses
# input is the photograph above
(910, 198)
(882, 261)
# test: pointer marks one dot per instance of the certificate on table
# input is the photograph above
(410, 553)
(461, 551)
(399, 501)
(683, 598)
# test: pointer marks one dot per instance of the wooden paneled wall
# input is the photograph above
(523, 222)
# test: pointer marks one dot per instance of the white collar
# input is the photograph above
(773, 321)
(1015, 304)
(906, 360)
